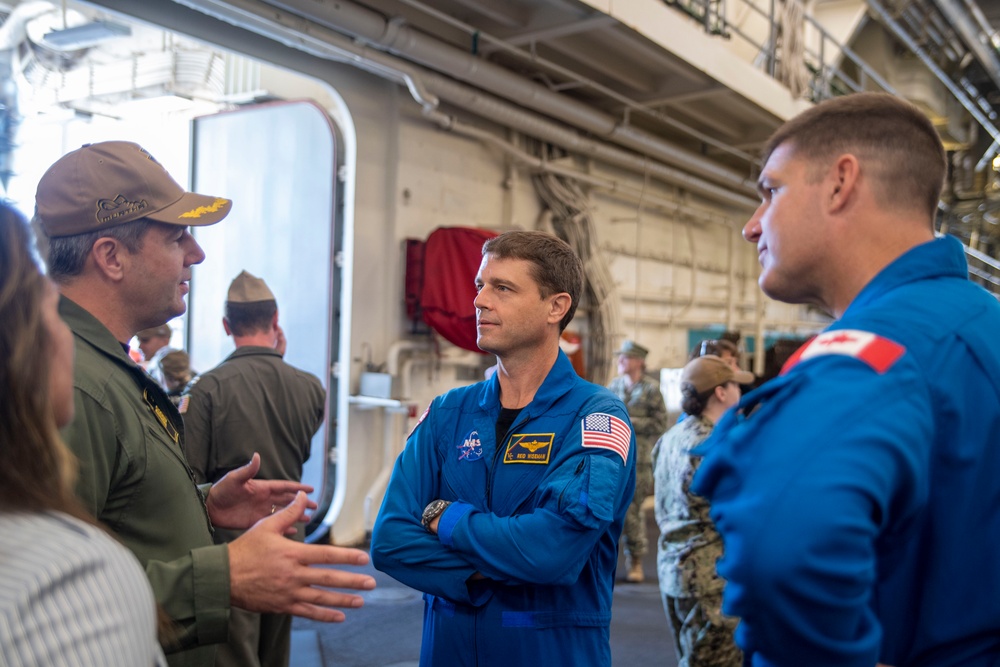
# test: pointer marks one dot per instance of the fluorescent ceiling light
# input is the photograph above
(82, 36)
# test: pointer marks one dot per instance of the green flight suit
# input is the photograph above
(135, 479)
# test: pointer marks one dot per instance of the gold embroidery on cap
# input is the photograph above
(202, 210)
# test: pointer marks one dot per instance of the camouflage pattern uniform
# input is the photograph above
(688, 547)
(648, 414)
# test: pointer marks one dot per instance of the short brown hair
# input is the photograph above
(896, 142)
(554, 265)
(248, 318)
(67, 255)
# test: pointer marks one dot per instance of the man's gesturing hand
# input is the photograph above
(238, 500)
(270, 573)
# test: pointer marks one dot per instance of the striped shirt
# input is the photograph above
(70, 595)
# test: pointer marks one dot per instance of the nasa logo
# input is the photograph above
(470, 449)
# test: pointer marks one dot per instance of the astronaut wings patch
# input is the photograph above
(607, 432)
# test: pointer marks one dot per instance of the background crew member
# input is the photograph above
(857, 492)
(689, 545)
(175, 369)
(508, 500)
(648, 414)
(121, 255)
(252, 401)
(155, 344)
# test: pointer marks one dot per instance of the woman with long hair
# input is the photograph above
(69, 594)
(689, 544)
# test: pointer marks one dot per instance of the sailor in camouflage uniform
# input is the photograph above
(689, 544)
(648, 414)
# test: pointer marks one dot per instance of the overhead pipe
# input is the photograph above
(952, 87)
(538, 164)
(404, 40)
(328, 44)
(629, 104)
(970, 33)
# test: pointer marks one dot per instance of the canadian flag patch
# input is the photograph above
(878, 352)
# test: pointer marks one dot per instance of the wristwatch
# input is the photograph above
(432, 511)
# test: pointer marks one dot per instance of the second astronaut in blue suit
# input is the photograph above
(507, 504)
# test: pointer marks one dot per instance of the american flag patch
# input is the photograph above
(419, 422)
(607, 432)
(182, 407)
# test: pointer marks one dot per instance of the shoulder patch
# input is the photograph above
(427, 411)
(607, 432)
(182, 406)
(878, 352)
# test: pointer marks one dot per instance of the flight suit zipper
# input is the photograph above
(496, 454)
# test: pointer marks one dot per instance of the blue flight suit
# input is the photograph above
(540, 517)
(858, 494)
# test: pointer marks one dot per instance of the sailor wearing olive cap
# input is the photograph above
(648, 414)
(253, 401)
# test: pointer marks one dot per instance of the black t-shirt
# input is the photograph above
(506, 420)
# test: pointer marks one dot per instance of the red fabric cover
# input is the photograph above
(414, 277)
(452, 256)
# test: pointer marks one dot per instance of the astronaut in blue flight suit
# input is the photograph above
(507, 503)
(857, 493)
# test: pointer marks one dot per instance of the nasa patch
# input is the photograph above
(470, 449)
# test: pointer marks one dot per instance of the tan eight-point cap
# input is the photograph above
(248, 288)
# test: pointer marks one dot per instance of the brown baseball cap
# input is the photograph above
(708, 372)
(114, 182)
(248, 288)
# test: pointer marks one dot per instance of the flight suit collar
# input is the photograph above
(557, 383)
(90, 329)
(252, 350)
(942, 257)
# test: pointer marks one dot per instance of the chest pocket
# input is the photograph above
(522, 464)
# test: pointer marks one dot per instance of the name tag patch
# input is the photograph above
(529, 448)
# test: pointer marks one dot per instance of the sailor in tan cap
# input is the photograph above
(121, 254)
(689, 544)
(252, 402)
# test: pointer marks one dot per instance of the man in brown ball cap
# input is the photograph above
(121, 254)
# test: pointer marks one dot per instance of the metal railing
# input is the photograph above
(832, 67)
